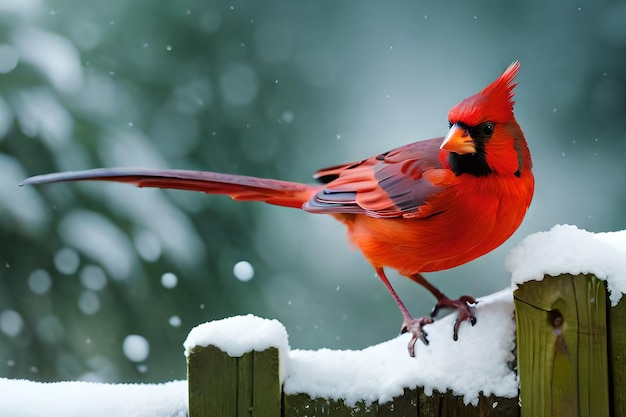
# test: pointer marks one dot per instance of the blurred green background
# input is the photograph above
(266, 88)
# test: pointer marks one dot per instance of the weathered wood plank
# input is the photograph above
(212, 379)
(593, 378)
(266, 385)
(562, 347)
(402, 405)
(428, 405)
(245, 384)
(447, 405)
(617, 357)
(220, 385)
(498, 407)
(302, 405)
(411, 403)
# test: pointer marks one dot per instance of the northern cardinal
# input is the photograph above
(422, 207)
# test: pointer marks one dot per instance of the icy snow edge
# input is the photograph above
(566, 249)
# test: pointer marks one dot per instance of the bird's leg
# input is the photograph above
(409, 323)
(462, 304)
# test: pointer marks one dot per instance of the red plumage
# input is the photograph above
(423, 207)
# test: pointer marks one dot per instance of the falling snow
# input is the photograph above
(136, 348)
(243, 271)
(169, 280)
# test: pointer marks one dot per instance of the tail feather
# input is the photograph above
(238, 187)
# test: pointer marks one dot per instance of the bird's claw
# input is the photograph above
(464, 305)
(415, 327)
(461, 304)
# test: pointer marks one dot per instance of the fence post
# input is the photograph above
(617, 355)
(221, 385)
(562, 347)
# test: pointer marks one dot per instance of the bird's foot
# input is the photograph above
(463, 304)
(414, 326)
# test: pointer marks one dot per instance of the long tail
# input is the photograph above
(238, 187)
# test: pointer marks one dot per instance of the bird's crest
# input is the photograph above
(494, 103)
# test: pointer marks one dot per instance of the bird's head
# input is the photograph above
(484, 135)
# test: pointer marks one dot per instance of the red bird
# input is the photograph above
(422, 207)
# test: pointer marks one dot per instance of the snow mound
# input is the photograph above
(479, 362)
(568, 250)
(241, 334)
(77, 399)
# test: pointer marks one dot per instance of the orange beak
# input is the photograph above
(458, 140)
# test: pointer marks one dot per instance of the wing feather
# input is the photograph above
(394, 184)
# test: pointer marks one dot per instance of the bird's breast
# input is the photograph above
(471, 219)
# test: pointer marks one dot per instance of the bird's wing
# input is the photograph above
(398, 183)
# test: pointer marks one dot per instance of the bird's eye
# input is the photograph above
(486, 129)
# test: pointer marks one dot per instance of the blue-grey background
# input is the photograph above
(266, 88)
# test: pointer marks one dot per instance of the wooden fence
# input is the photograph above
(571, 349)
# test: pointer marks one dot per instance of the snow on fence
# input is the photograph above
(553, 345)
(570, 362)
(244, 363)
